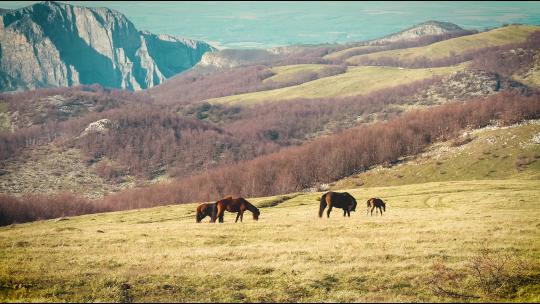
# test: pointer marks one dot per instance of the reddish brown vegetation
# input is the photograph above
(296, 168)
(194, 86)
(33, 207)
(43, 115)
(328, 159)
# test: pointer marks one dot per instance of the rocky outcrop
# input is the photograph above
(429, 28)
(231, 58)
(52, 44)
(468, 84)
(101, 126)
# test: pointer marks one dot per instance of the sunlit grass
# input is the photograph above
(290, 254)
(356, 81)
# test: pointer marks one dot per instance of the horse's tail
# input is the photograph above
(323, 204)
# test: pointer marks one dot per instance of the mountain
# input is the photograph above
(51, 44)
(428, 28)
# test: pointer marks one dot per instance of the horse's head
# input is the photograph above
(383, 206)
(256, 215)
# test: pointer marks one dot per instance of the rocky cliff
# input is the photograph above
(54, 44)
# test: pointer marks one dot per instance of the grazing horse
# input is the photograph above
(238, 205)
(204, 210)
(375, 203)
(339, 200)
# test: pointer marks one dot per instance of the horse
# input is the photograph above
(343, 200)
(204, 210)
(375, 203)
(238, 205)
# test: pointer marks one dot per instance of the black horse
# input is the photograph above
(343, 200)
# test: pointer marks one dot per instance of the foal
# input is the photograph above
(375, 203)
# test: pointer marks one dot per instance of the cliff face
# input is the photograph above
(54, 44)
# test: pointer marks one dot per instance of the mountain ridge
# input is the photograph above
(56, 44)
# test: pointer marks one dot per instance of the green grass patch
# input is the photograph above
(483, 154)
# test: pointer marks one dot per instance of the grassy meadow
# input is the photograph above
(426, 247)
(356, 81)
(288, 73)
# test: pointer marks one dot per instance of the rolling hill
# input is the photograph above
(356, 81)
(497, 37)
(490, 153)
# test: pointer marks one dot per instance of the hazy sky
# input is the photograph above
(266, 24)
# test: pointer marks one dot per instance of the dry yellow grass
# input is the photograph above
(289, 255)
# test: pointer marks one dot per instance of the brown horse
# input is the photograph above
(204, 210)
(339, 200)
(238, 205)
(375, 203)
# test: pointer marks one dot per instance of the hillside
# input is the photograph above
(430, 232)
(51, 44)
(491, 153)
(356, 81)
(209, 122)
(497, 37)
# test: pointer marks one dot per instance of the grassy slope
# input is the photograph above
(346, 53)
(289, 255)
(288, 73)
(532, 76)
(493, 154)
(356, 81)
(500, 36)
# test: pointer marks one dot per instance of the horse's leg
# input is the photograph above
(221, 211)
(380, 210)
(237, 216)
(372, 210)
(349, 213)
(329, 210)
(344, 212)
(241, 215)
